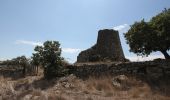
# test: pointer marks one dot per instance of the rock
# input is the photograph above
(69, 78)
(11, 88)
(44, 96)
(120, 82)
(122, 78)
(36, 98)
(67, 85)
(66, 82)
(27, 97)
(107, 48)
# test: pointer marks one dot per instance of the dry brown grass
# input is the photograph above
(73, 88)
(99, 84)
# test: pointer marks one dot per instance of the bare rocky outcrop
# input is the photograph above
(107, 48)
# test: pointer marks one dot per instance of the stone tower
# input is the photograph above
(108, 47)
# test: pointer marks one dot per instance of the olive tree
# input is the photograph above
(146, 37)
(49, 56)
(36, 61)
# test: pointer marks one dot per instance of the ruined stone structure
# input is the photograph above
(108, 47)
(150, 69)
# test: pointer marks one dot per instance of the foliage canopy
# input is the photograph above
(146, 37)
(49, 56)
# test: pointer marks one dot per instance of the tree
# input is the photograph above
(161, 23)
(49, 56)
(36, 61)
(22, 62)
(146, 37)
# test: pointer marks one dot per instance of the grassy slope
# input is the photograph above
(73, 88)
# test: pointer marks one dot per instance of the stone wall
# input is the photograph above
(108, 47)
(154, 69)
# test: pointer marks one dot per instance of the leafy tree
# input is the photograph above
(50, 58)
(36, 61)
(22, 62)
(19, 63)
(161, 23)
(146, 37)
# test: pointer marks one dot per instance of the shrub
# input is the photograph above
(50, 58)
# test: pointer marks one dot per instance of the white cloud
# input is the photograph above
(71, 50)
(32, 43)
(2, 59)
(140, 58)
(122, 28)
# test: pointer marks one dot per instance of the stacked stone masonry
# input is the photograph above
(154, 69)
(108, 47)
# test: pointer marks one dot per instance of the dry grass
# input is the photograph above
(72, 88)
(99, 84)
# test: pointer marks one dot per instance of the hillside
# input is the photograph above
(120, 87)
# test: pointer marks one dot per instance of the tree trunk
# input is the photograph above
(166, 55)
(36, 70)
(24, 70)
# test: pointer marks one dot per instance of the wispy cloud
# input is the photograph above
(71, 50)
(2, 59)
(140, 58)
(122, 28)
(32, 43)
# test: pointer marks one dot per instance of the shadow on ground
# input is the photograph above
(158, 85)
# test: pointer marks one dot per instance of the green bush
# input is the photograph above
(51, 60)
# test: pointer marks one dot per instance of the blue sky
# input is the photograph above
(74, 23)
